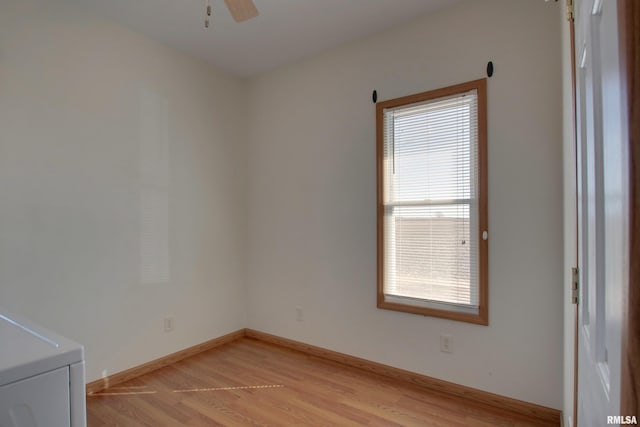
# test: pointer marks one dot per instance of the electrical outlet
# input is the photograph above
(169, 324)
(299, 314)
(446, 343)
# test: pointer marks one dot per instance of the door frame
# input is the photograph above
(629, 27)
(575, 307)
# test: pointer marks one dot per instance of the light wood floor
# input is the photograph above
(253, 383)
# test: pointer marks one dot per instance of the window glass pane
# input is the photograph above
(431, 154)
(430, 248)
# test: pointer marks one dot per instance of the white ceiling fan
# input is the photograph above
(241, 10)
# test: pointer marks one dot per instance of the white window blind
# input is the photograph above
(430, 200)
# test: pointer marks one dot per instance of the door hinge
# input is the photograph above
(570, 11)
(575, 285)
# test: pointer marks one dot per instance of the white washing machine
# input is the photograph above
(41, 376)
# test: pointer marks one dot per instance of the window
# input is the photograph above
(432, 203)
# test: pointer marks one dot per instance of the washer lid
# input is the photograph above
(27, 349)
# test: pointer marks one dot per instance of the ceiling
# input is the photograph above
(284, 32)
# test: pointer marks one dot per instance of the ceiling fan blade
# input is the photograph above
(241, 10)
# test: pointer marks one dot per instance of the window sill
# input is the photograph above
(481, 318)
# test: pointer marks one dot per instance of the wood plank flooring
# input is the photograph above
(253, 383)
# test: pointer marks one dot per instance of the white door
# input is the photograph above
(602, 211)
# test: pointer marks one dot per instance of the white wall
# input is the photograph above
(77, 95)
(312, 222)
(78, 98)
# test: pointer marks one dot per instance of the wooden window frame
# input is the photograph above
(482, 317)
